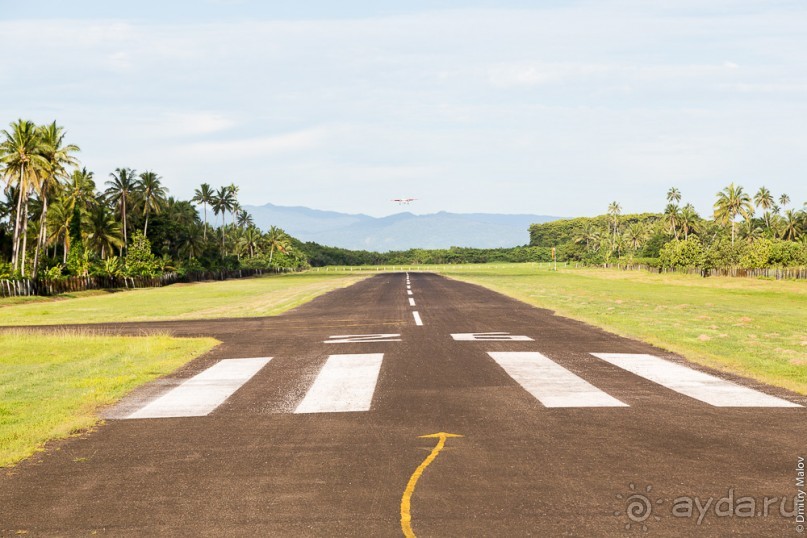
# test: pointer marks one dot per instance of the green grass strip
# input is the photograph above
(52, 385)
(249, 297)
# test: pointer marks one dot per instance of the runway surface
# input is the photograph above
(310, 424)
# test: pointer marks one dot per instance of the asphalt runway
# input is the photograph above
(309, 424)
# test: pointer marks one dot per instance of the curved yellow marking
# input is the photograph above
(406, 500)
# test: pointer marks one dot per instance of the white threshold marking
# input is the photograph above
(360, 338)
(693, 383)
(411, 302)
(416, 315)
(204, 392)
(550, 383)
(409, 292)
(345, 383)
(490, 337)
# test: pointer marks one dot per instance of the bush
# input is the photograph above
(687, 253)
(139, 259)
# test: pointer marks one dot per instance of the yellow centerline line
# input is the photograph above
(406, 500)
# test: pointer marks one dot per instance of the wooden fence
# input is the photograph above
(23, 287)
(777, 273)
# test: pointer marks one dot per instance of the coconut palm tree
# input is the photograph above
(250, 241)
(276, 239)
(792, 224)
(636, 235)
(103, 231)
(784, 200)
(22, 159)
(152, 195)
(732, 201)
(588, 235)
(58, 156)
(223, 201)
(614, 209)
(673, 196)
(244, 219)
(203, 195)
(120, 192)
(687, 218)
(763, 199)
(671, 212)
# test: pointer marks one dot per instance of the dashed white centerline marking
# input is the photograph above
(411, 302)
(345, 383)
(204, 392)
(693, 383)
(416, 315)
(409, 292)
(550, 383)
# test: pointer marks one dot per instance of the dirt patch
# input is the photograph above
(704, 337)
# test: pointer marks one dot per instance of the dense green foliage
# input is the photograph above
(320, 256)
(56, 222)
(679, 238)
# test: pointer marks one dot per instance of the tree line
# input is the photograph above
(744, 231)
(57, 220)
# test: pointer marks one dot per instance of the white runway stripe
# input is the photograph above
(201, 394)
(345, 383)
(692, 383)
(409, 292)
(416, 315)
(411, 302)
(550, 383)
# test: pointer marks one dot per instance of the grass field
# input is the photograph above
(248, 297)
(51, 385)
(755, 328)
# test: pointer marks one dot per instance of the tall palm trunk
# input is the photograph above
(24, 236)
(15, 249)
(43, 232)
(146, 227)
(204, 233)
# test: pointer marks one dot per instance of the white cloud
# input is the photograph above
(232, 150)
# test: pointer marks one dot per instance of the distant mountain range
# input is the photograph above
(401, 231)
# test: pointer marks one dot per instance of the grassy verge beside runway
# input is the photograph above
(248, 297)
(51, 385)
(751, 327)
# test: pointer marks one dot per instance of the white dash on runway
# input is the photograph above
(411, 302)
(693, 383)
(416, 315)
(550, 383)
(346, 383)
(204, 392)
(409, 292)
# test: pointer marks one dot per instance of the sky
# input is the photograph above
(506, 106)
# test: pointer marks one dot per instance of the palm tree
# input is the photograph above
(120, 193)
(250, 240)
(614, 209)
(732, 201)
(59, 217)
(636, 234)
(764, 200)
(233, 189)
(671, 212)
(21, 156)
(152, 195)
(104, 232)
(784, 200)
(223, 201)
(792, 222)
(58, 157)
(673, 195)
(203, 195)
(587, 235)
(687, 218)
(276, 239)
(244, 219)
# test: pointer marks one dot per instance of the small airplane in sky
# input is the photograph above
(402, 201)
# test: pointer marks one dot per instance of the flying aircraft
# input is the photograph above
(402, 201)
